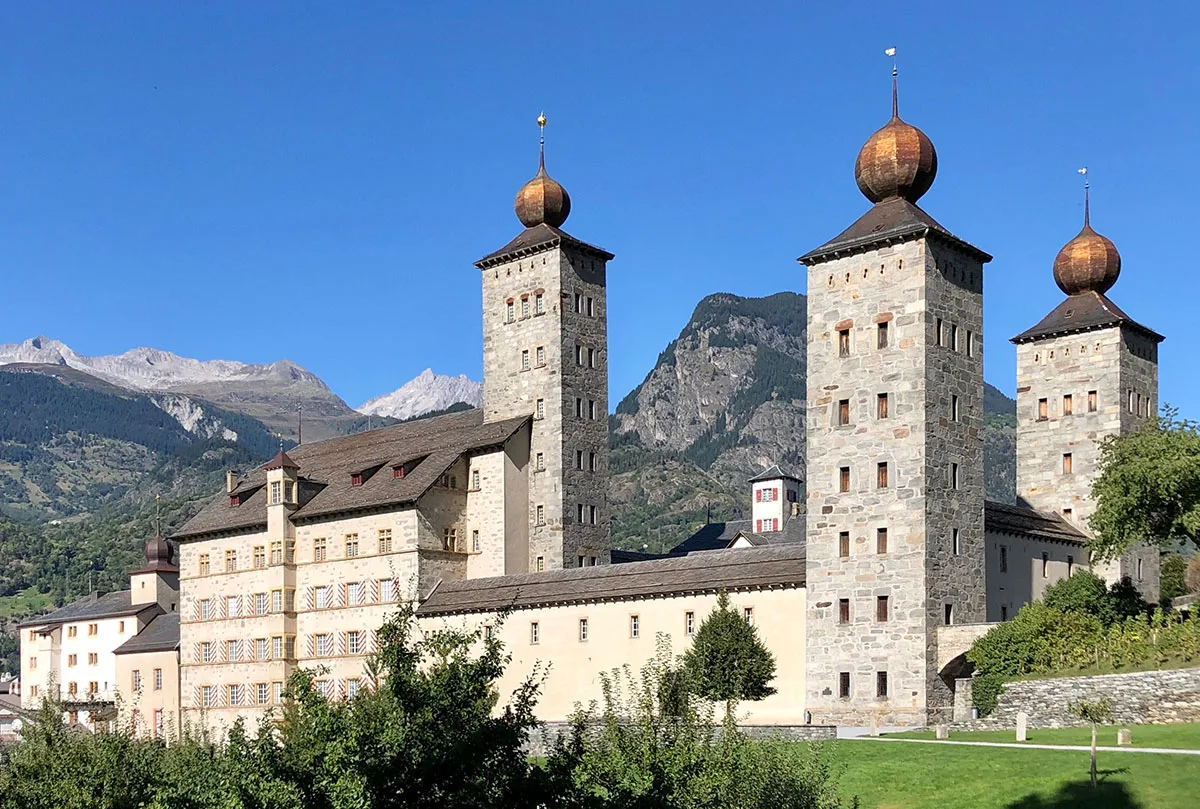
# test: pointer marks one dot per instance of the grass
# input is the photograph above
(913, 776)
(26, 602)
(1183, 736)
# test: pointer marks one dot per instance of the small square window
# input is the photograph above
(844, 479)
(1068, 463)
(689, 623)
(1091, 401)
(881, 335)
(881, 406)
(1068, 405)
(534, 633)
(844, 544)
(881, 475)
(635, 626)
(583, 630)
(1043, 410)
(844, 343)
(881, 684)
(843, 610)
(881, 609)
(541, 409)
(844, 684)
(881, 540)
(843, 412)
(541, 564)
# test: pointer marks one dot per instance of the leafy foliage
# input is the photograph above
(727, 662)
(1173, 577)
(1085, 592)
(1148, 487)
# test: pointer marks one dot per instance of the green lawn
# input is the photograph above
(888, 775)
(1185, 736)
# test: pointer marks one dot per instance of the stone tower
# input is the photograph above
(1084, 372)
(895, 542)
(545, 354)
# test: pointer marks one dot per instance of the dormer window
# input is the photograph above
(398, 471)
(235, 500)
(356, 479)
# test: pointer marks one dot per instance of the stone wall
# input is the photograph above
(1140, 698)
(541, 741)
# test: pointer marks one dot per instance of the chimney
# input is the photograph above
(231, 480)
(795, 509)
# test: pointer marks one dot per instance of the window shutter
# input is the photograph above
(310, 644)
(373, 592)
(758, 496)
(309, 597)
(758, 526)
(774, 494)
(196, 653)
(341, 643)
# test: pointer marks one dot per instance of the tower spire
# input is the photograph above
(1087, 198)
(541, 121)
(895, 92)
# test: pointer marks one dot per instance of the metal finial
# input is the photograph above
(157, 515)
(1087, 198)
(895, 94)
(541, 121)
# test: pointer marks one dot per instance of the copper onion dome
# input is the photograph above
(542, 199)
(1089, 262)
(158, 553)
(897, 161)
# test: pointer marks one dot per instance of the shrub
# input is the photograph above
(1172, 582)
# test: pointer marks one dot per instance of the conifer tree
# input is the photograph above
(727, 661)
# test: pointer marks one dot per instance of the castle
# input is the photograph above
(868, 574)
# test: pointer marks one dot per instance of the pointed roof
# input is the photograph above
(1086, 311)
(891, 221)
(281, 461)
(774, 473)
(536, 239)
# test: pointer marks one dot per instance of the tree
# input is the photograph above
(1082, 592)
(1172, 578)
(1095, 712)
(727, 661)
(1148, 487)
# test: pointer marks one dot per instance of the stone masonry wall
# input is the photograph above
(1141, 698)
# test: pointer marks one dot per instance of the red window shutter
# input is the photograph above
(758, 496)
(775, 524)
(774, 494)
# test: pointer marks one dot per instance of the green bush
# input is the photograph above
(1172, 583)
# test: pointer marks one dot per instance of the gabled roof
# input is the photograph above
(714, 536)
(280, 461)
(160, 635)
(1086, 311)
(890, 221)
(534, 240)
(757, 568)
(91, 608)
(1004, 518)
(774, 473)
(793, 533)
(326, 467)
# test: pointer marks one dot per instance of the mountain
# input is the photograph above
(425, 393)
(270, 393)
(724, 401)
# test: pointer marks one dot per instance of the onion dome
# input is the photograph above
(897, 161)
(158, 553)
(542, 200)
(1089, 262)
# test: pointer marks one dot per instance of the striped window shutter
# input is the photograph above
(310, 597)
(339, 688)
(238, 650)
(195, 610)
(339, 598)
(195, 696)
(341, 642)
(310, 642)
(196, 653)
(373, 595)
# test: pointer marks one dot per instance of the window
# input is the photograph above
(475, 544)
(949, 614)
(387, 590)
(1091, 401)
(844, 479)
(33, 691)
(881, 475)
(881, 406)
(1130, 401)
(1068, 463)
(323, 595)
(203, 565)
(475, 479)
(937, 334)
(1003, 558)
(579, 459)
(230, 561)
(233, 606)
(843, 610)
(208, 652)
(579, 514)
(591, 358)
(351, 545)
(592, 409)
(72, 660)
(578, 354)
(324, 643)
(540, 412)
(353, 684)
(262, 649)
(881, 540)
(881, 608)
(158, 723)
(1003, 612)
(844, 684)
(843, 342)
(260, 556)
(689, 623)
(93, 659)
(277, 647)
(881, 335)
(540, 564)
(354, 642)
(262, 693)
(208, 609)
(356, 593)
(953, 476)
(71, 631)
(234, 691)
(1070, 566)
(578, 304)
(953, 407)
(592, 463)
(72, 689)
(844, 544)
(385, 540)
(843, 412)
(208, 696)
(276, 553)
(954, 338)
(1043, 411)
(539, 304)
(634, 626)
(541, 356)
(1139, 569)
(260, 603)
(524, 306)
(956, 541)
(277, 601)
(277, 693)
(356, 479)
(289, 599)
(525, 359)
(593, 513)
(450, 539)
(33, 662)
(539, 462)
(233, 651)
(1067, 513)
(748, 614)
(970, 344)
(1068, 405)
(583, 630)
(578, 407)
(93, 630)
(136, 680)
(881, 684)
(319, 549)
(540, 514)
(510, 312)
(534, 634)
(1045, 565)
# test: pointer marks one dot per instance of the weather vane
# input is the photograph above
(1087, 196)
(895, 93)
(541, 121)
(892, 53)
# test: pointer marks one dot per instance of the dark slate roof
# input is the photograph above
(620, 557)
(10, 703)
(1083, 312)
(160, 635)
(93, 607)
(534, 240)
(757, 568)
(774, 473)
(792, 533)
(714, 536)
(326, 466)
(890, 221)
(1003, 518)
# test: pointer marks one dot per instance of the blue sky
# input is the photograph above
(313, 181)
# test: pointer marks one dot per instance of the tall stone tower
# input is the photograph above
(895, 543)
(545, 355)
(1086, 371)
